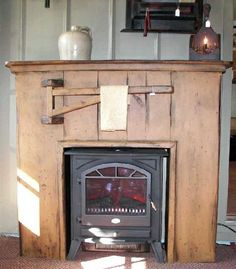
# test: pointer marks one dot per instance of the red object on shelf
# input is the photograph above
(147, 22)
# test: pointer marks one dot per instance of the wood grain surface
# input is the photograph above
(184, 120)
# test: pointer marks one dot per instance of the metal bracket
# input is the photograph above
(56, 93)
(55, 110)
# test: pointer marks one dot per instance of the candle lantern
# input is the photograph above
(205, 44)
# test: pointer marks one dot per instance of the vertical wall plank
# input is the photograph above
(137, 78)
(111, 36)
(74, 121)
(38, 146)
(158, 78)
(94, 14)
(82, 123)
(158, 120)
(42, 45)
(137, 117)
(112, 78)
(171, 239)
(195, 104)
(80, 79)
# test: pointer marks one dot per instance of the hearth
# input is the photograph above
(116, 197)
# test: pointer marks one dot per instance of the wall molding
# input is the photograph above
(111, 37)
(22, 30)
(67, 16)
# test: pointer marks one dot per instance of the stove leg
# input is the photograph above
(74, 247)
(158, 251)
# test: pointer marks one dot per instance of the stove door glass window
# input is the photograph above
(116, 189)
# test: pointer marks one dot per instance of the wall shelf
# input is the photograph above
(163, 17)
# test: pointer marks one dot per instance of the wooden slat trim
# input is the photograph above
(49, 101)
(96, 91)
(118, 143)
(76, 92)
(61, 199)
(62, 110)
(170, 65)
(171, 242)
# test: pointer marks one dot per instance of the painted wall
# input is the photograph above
(9, 18)
(227, 18)
(30, 32)
(233, 102)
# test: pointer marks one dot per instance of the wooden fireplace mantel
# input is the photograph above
(170, 65)
(184, 118)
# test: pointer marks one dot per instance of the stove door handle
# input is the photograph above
(154, 207)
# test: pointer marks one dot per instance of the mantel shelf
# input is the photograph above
(98, 65)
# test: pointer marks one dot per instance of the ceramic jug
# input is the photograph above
(75, 44)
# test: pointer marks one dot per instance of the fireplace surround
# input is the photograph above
(173, 105)
(117, 194)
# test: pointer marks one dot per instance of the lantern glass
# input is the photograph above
(205, 45)
(205, 41)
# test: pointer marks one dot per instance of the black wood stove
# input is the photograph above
(116, 197)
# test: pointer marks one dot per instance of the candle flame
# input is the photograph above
(205, 40)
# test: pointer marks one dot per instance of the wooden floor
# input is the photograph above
(231, 210)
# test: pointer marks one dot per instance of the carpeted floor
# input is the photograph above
(10, 259)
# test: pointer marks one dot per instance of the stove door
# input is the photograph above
(116, 194)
